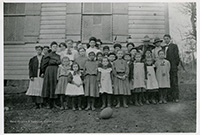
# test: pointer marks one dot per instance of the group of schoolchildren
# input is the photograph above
(85, 77)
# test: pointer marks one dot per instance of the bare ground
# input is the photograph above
(171, 117)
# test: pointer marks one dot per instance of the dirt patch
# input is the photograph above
(172, 117)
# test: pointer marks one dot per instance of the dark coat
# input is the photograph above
(144, 48)
(172, 55)
(33, 66)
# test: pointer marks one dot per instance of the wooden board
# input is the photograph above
(52, 22)
(146, 18)
(151, 22)
(139, 26)
(52, 13)
(48, 26)
(53, 17)
(146, 31)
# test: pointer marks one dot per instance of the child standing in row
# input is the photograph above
(152, 83)
(64, 77)
(36, 82)
(127, 58)
(139, 79)
(120, 72)
(75, 88)
(81, 59)
(105, 82)
(162, 74)
(91, 89)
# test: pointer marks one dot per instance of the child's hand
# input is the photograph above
(32, 79)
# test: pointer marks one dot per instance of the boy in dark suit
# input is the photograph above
(172, 55)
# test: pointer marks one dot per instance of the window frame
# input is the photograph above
(17, 42)
(96, 14)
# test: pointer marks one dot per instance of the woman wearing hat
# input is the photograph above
(147, 45)
(92, 48)
(157, 42)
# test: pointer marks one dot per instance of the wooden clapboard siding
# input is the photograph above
(47, 22)
(16, 58)
(146, 19)
(53, 21)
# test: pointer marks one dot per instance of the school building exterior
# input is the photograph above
(28, 24)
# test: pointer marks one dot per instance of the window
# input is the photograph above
(97, 21)
(14, 18)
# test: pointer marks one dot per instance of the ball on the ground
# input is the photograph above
(106, 113)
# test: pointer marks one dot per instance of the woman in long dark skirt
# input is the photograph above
(49, 71)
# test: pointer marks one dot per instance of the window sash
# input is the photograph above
(89, 8)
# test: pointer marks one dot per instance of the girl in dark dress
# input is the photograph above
(49, 70)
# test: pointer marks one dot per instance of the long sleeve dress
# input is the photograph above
(64, 76)
(121, 86)
(50, 69)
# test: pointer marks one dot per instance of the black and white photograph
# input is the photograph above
(99, 67)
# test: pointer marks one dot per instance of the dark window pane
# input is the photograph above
(98, 26)
(14, 8)
(20, 8)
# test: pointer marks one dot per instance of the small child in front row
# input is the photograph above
(75, 88)
(121, 85)
(163, 77)
(105, 81)
(91, 88)
(127, 58)
(139, 79)
(152, 83)
(112, 57)
(99, 57)
(64, 77)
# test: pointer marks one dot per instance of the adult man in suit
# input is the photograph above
(172, 55)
